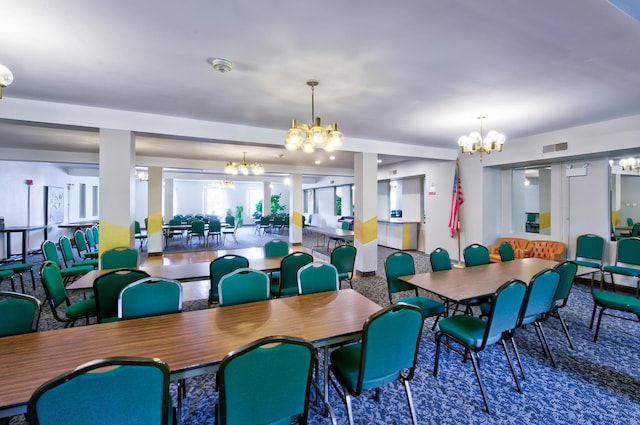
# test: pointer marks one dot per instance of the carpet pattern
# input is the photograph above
(593, 384)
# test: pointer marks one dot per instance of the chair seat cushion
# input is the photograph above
(617, 301)
(344, 275)
(75, 271)
(585, 263)
(92, 254)
(428, 306)
(83, 308)
(627, 271)
(92, 262)
(468, 330)
(17, 267)
(5, 274)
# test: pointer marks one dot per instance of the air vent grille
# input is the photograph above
(555, 148)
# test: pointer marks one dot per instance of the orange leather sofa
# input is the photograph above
(520, 248)
(549, 250)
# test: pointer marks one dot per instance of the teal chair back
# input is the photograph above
(175, 222)
(506, 308)
(635, 230)
(19, 313)
(197, 227)
(136, 227)
(91, 241)
(540, 295)
(126, 390)
(220, 267)
(629, 221)
(67, 251)
(266, 382)
(440, 260)
(107, 288)
(506, 252)
(628, 251)
(53, 283)
(243, 285)
(81, 241)
(230, 220)
(317, 277)
(96, 234)
(276, 248)
(150, 296)
(119, 257)
(567, 270)
(398, 264)
(214, 226)
(390, 342)
(289, 267)
(589, 250)
(50, 252)
(343, 257)
(345, 225)
(476, 255)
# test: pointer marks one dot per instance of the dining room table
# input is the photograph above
(328, 233)
(192, 343)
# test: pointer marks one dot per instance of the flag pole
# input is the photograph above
(459, 265)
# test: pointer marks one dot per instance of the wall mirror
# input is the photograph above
(624, 198)
(531, 200)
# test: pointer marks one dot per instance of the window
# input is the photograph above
(531, 200)
(82, 193)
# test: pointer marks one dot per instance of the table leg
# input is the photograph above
(8, 245)
(24, 246)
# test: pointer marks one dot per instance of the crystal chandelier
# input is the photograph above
(310, 137)
(476, 142)
(630, 164)
(226, 184)
(243, 167)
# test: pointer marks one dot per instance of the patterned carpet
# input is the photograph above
(593, 384)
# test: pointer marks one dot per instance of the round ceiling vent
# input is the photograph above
(222, 65)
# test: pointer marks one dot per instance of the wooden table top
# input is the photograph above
(461, 284)
(332, 231)
(191, 343)
(179, 269)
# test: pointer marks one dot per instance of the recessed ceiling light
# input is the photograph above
(332, 157)
(379, 161)
(220, 64)
(317, 162)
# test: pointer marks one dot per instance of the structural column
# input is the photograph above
(266, 198)
(168, 200)
(365, 224)
(295, 210)
(154, 218)
(117, 188)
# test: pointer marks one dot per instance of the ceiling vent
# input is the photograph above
(555, 148)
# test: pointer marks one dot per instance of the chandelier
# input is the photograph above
(226, 184)
(243, 167)
(6, 78)
(476, 142)
(630, 164)
(310, 137)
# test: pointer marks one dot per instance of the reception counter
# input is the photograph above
(398, 234)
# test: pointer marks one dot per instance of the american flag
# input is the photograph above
(456, 200)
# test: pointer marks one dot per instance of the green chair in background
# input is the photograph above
(116, 390)
(318, 277)
(400, 264)
(82, 246)
(506, 252)
(8, 274)
(343, 257)
(440, 260)
(567, 270)
(289, 266)
(19, 313)
(387, 352)
(53, 284)
(92, 243)
(242, 286)
(265, 382)
(69, 274)
(475, 334)
(627, 262)
(589, 252)
(635, 230)
(96, 235)
(197, 230)
(215, 231)
(629, 222)
(150, 296)
(69, 259)
(138, 234)
(340, 240)
(119, 258)
(222, 266)
(276, 248)
(476, 255)
(107, 288)
(17, 269)
(230, 231)
(617, 302)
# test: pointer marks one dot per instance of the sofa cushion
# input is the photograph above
(549, 250)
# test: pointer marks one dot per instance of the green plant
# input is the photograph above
(239, 216)
(258, 212)
(275, 204)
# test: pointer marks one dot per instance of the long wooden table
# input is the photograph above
(193, 271)
(192, 343)
(461, 284)
(331, 232)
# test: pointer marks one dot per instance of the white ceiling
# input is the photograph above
(413, 72)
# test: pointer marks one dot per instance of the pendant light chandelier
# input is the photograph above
(226, 184)
(476, 142)
(243, 167)
(310, 137)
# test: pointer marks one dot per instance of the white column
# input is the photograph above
(266, 198)
(295, 210)
(168, 200)
(154, 218)
(117, 188)
(365, 224)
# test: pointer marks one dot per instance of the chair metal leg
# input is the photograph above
(347, 401)
(546, 344)
(593, 315)
(564, 328)
(513, 370)
(407, 390)
(595, 337)
(439, 336)
(515, 350)
(482, 391)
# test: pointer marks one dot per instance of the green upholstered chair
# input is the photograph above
(215, 231)
(538, 303)
(92, 242)
(230, 231)
(243, 285)
(317, 277)
(567, 270)
(95, 232)
(69, 274)
(119, 257)
(387, 352)
(635, 230)
(53, 284)
(220, 267)
(476, 255)
(265, 382)
(17, 269)
(107, 288)
(625, 305)
(627, 262)
(19, 313)
(440, 260)
(117, 390)
(289, 266)
(82, 246)
(400, 264)
(629, 222)
(343, 257)
(197, 230)
(589, 252)
(506, 252)
(341, 240)
(150, 296)
(69, 258)
(8, 274)
(474, 334)
(275, 248)
(138, 234)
